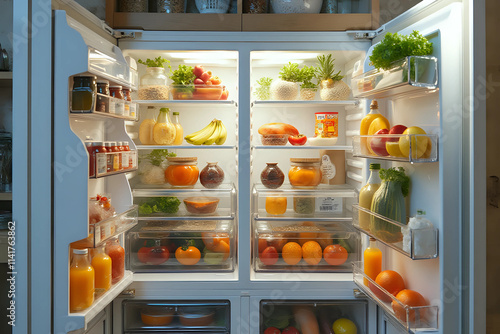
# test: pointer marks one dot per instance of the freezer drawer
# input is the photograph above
(173, 316)
(304, 246)
(309, 314)
(180, 246)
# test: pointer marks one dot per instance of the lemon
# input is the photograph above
(418, 143)
(393, 149)
(344, 326)
(378, 123)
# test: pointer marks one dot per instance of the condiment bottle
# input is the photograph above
(117, 158)
(366, 195)
(128, 98)
(101, 263)
(99, 150)
(117, 93)
(117, 255)
(109, 157)
(124, 160)
(179, 132)
(365, 126)
(130, 155)
(372, 261)
(164, 129)
(89, 146)
(81, 281)
(102, 88)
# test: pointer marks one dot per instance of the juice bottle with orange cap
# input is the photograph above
(81, 281)
(372, 261)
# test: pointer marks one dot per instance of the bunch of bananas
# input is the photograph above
(213, 133)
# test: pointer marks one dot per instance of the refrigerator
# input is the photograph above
(244, 293)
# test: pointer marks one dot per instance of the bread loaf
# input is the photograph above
(278, 129)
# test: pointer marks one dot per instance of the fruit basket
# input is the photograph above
(196, 92)
(412, 319)
(397, 147)
(179, 246)
(304, 246)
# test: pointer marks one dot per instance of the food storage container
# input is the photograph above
(134, 6)
(157, 315)
(84, 93)
(296, 6)
(179, 246)
(256, 6)
(304, 246)
(305, 172)
(171, 6)
(272, 176)
(102, 95)
(211, 176)
(153, 85)
(196, 92)
(274, 139)
(212, 6)
(196, 316)
(182, 172)
(116, 105)
(201, 205)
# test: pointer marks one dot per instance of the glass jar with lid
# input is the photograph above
(83, 94)
(182, 172)
(116, 106)
(305, 172)
(103, 89)
(128, 98)
(153, 85)
(134, 6)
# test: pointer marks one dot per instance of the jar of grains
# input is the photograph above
(134, 6)
(153, 84)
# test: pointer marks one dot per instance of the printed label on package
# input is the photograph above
(329, 204)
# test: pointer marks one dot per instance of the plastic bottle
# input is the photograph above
(124, 159)
(101, 159)
(101, 263)
(81, 281)
(365, 126)
(117, 157)
(366, 195)
(117, 255)
(372, 261)
(146, 130)
(164, 129)
(89, 145)
(109, 157)
(179, 132)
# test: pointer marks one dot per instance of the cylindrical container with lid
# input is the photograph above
(128, 98)
(83, 94)
(134, 6)
(154, 84)
(101, 262)
(117, 255)
(103, 89)
(171, 6)
(116, 106)
(305, 172)
(81, 281)
(182, 172)
(109, 157)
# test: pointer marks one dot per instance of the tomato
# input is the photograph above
(205, 76)
(188, 256)
(198, 70)
(272, 330)
(262, 245)
(290, 330)
(198, 81)
(225, 94)
(335, 255)
(269, 256)
(298, 140)
(215, 80)
(153, 255)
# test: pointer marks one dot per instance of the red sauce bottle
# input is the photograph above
(130, 156)
(100, 159)
(89, 146)
(117, 158)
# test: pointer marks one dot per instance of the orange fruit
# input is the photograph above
(410, 298)
(277, 240)
(390, 281)
(291, 253)
(312, 252)
(335, 255)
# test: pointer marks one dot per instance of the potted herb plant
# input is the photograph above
(153, 85)
(332, 86)
(308, 88)
(262, 90)
(287, 86)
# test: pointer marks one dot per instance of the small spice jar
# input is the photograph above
(83, 95)
(116, 106)
(103, 89)
(305, 172)
(182, 172)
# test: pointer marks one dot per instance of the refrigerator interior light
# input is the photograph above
(282, 56)
(206, 56)
(208, 61)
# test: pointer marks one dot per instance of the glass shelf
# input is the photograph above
(303, 147)
(410, 75)
(419, 148)
(189, 103)
(186, 147)
(319, 235)
(323, 203)
(417, 244)
(302, 104)
(215, 240)
(106, 229)
(412, 319)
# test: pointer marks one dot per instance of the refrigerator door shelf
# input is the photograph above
(189, 103)
(212, 247)
(106, 106)
(417, 244)
(411, 318)
(408, 76)
(186, 147)
(100, 167)
(304, 147)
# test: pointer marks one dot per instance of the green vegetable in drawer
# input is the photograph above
(159, 204)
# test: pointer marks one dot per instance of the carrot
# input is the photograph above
(304, 316)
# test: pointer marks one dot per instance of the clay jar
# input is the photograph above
(272, 177)
(212, 175)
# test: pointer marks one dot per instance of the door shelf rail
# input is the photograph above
(412, 318)
(101, 163)
(408, 76)
(185, 147)
(418, 147)
(107, 106)
(189, 103)
(417, 244)
(303, 147)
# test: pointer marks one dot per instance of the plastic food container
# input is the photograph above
(201, 205)
(157, 315)
(274, 139)
(296, 6)
(305, 172)
(182, 172)
(197, 92)
(196, 316)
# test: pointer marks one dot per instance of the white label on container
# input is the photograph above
(97, 234)
(132, 109)
(133, 159)
(327, 167)
(112, 108)
(329, 204)
(126, 109)
(119, 108)
(101, 163)
(125, 160)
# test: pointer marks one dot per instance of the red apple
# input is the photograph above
(205, 76)
(198, 81)
(198, 70)
(397, 130)
(378, 144)
(290, 330)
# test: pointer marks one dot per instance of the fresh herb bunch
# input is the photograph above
(395, 47)
(396, 175)
(157, 62)
(307, 74)
(262, 91)
(326, 69)
(290, 72)
(156, 157)
(183, 75)
(159, 204)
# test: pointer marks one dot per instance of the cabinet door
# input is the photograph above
(101, 324)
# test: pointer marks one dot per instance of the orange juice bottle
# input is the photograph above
(366, 195)
(81, 281)
(117, 255)
(179, 132)
(102, 267)
(372, 261)
(365, 125)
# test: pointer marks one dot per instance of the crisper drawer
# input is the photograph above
(306, 316)
(146, 316)
(304, 246)
(180, 246)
